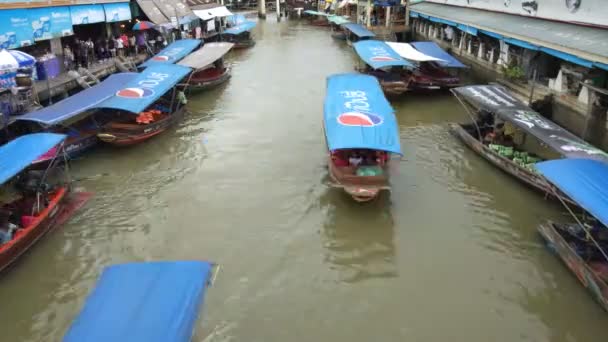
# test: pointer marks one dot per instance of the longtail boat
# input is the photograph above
(73, 116)
(337, 22)
(32, 202)
(208, 66)
(582, 243)
(384, 64)
(145, 107)
(318, 18)
(500, 129)
(173, 52)
(144, 301)
(240, 35)
(357, 32)
(360, 132)
(433, 68)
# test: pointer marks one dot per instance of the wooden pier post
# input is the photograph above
(262, 9)
(278, 11)
(597, 107)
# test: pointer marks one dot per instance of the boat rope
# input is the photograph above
(466, 108)
(589, 236)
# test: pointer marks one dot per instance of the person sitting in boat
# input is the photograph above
(381, 158)
(355, 159)
(338, 158)
(7, 229)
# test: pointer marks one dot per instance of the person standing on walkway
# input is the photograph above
(112, 46)
(141, 42)
(125, 44)
(132, 44)
(119, 46)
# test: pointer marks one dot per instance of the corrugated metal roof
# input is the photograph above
(585, 42)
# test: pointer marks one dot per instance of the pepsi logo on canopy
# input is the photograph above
(134, 93)
(359, 119)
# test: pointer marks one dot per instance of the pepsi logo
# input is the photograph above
(135, 93)
(160, 58)
(383, 59)
(359, 119)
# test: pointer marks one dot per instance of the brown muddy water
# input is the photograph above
(452, 253)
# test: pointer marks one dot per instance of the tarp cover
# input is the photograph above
(173, 52)
(378, 54)
(359, 30)
(408, 52)
(211, 13)
(311, 12)
(146, 88)
(243, 27)
(206, 55)
(19, 153)
(143, 302)
(434, 50)
(79, 102)
(357, 115)
(338, 20)
(153, 12)
(496, 99)
(584, 181)
(236, 19)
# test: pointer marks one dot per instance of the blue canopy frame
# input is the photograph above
(357, 115)
(143, 302)
(359, 30)
(246, 26)
(378, 54)
(18, 154)
(173, 52)
(583, 180)
(149, 85)
(79, 102)
(434, 50)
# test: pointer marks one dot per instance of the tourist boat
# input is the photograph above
(337, 22)
(582, 243)
(359, 122)
(33, 201)
(384, 64)
(318, 18)
(434, 67)
(208, 66)
(144, 301)
(240, 35)
(357, 32)
(173, 52)
(74, 117)
(145, 107)
(495, 112)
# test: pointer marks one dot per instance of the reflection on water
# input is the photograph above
(451, 254)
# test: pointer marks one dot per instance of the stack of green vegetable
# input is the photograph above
(520, 158)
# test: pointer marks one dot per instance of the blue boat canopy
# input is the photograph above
(146, 88)
(359, 30)
(143, 302)
(378, 54)
(236, 19)
(79, 102)
(357, 115)
(434, 50)
(18, 154)
(173, 52)
(584, 180)
(243, 27)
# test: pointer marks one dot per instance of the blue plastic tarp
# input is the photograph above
(359, 30)
(378, 54)
(173, 52)
(236, 19)
(357, 115)
(246, 26)
(146, 88)
(434, 50)
(80, 102)
(583, 180)
(143, 302)
(18, 154)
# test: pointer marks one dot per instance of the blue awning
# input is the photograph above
(434, 50)
(357, 115)
(567, 57)
(18, 154)
(143, 302)
(173, 52)
(584, 180)
(79, 102)
(146, 88)
(468, 29)
(521, 43)
(359, 30)
(246, 26)
(378, 54)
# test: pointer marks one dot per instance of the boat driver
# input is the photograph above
(7, 229)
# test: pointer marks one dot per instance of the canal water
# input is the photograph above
(451, 254)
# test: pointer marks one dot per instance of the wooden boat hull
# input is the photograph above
(243, 44)
(140, 133)
(202, 83)
(533, 180)
(339, 36)
(585, 274)
(360, 188)
(27, 237)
